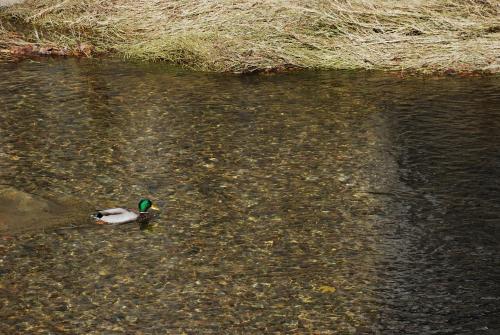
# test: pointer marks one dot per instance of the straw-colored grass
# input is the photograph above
(242, 36)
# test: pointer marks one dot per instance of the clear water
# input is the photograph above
(307, 203)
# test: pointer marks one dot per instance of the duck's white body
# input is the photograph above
(117, 216)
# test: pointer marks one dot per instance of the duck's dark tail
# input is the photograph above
(96, 215)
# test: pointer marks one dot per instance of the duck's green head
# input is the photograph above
(145, 205)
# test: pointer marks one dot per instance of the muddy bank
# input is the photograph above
(32, 49)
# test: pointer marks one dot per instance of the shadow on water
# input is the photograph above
(449, 160)
(317, 203)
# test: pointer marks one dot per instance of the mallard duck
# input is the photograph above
(125, 215)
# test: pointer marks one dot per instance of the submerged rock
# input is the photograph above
(23, 211)
(21, 201)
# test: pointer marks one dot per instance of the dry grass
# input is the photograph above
(242, 36)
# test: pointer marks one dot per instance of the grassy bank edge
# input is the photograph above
(277, 37)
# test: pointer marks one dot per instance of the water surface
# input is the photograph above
(322, 203)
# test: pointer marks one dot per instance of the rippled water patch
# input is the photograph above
(295, 203)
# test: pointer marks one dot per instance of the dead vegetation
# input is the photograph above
(247, 36)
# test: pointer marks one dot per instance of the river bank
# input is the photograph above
(247, 36)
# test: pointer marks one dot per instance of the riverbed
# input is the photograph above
(295, 203)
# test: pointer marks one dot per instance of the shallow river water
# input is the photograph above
(302, 203)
